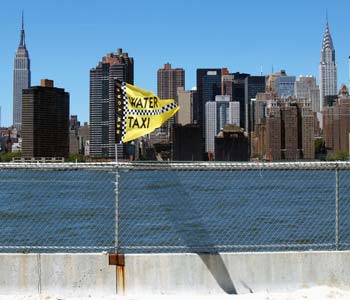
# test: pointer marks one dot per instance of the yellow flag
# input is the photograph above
(139, 112)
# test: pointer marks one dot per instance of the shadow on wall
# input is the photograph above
(217, 268)
(181, 217)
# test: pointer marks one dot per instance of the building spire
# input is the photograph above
(22, 43)
(327, 39)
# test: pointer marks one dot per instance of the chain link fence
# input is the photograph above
(174, 207)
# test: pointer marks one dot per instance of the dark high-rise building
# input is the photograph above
(231, 145)
(233, 85)
(21, 78)
(186, 145)
(208, 86)
(45, 121)
(238, 94)
(74, 126)
(252, 86)
(102, 102)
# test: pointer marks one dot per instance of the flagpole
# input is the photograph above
(116, 214)
(144, 112)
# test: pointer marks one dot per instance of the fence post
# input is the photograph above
(116, 213)
(336, 207)
(116, 199)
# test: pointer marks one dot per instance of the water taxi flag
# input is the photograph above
(139, 112)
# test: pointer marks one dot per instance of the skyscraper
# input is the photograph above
(271, 81)
(168, 80)
(208, 86)
(284, 86)
(102, 102)
(307, 133)
(327, 69)
(273, 133)
(252, 86)
(233, 84)
(234, 113)
(21, 78)
(218, 113)
(289, 132)
(186, 142)
(306, 87)
(45, 127)
(336, 122)
(238, 94)
(185, 99)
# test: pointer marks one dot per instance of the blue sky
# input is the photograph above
(68, 37)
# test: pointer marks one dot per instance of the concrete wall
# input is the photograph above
(235, 272)
(73, 275)
(57, 274)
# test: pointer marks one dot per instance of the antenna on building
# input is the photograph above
(261, 70)
(271, 69)
(349, 72)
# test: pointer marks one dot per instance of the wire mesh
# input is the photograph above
(210, 210)
(174, 207)
(49, 208)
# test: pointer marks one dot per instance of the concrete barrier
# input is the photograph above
(74, 275)
(235, 272)
(57, 274)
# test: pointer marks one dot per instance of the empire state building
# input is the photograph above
(21, 78)
(327, 69)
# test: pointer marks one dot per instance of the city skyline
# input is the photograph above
(65, 51)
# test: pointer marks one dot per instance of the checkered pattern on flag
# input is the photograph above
(139, 112)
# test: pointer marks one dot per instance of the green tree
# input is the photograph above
(339, 155)
(319, 145)
(76, 157)
(8, 156)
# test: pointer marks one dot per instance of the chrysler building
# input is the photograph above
(327, 69)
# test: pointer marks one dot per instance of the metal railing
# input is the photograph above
(174, 207)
